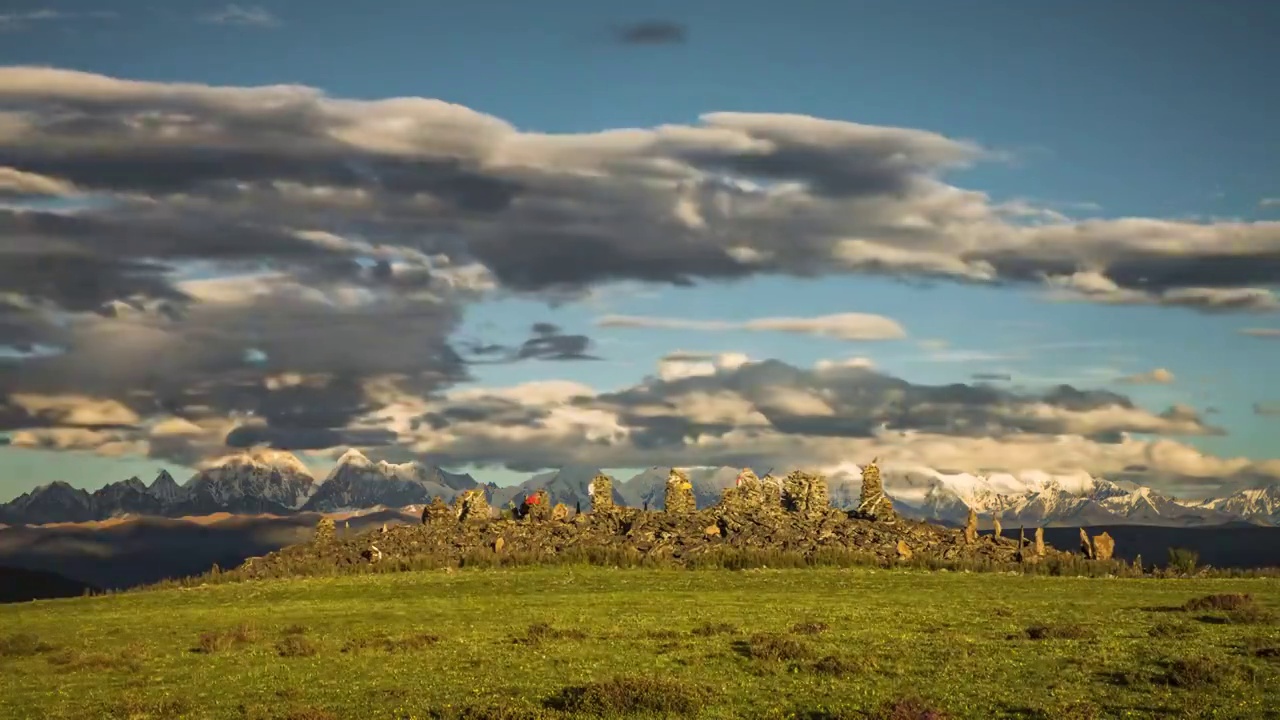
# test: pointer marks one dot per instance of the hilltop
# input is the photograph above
(580, 642)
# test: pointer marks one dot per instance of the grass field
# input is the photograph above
(590, 642)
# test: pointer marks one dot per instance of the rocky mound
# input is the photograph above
(748, 518)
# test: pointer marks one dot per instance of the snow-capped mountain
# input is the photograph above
(260, 481)
(1039, 499)
(567, 485)
(1257, 504)
(649, 487)
(357, 482)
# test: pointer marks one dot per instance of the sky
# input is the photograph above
(502, 237)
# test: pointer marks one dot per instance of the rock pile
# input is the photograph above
(471, 506)
(744, 520)
(806, 494)
(326, 532)
(679, 498)
(874, 504)
(600, 489)
(436, 512)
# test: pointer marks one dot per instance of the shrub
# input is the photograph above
(23, 645)
(810, 628)
(1220, 601)
(840, 666)
(1183, 560)
(1058, 632)
(774, 647)
(296, 646)
(1199, 672)
(707, 629)
(909, 709)
(632, 696)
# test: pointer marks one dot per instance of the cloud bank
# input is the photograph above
(241, 265)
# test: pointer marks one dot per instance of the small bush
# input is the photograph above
(1221, 601)
(708, 629)
(840, 666)
(389, 644)
(128, 659)
(294, 629)
(774, 647)
(542, 632)
(810, 628)
(1058, 632)
(1170, 630)
(296, 646)
(632, 696)
(221, 640)
(23, 645)
(1183, 561)
(1199, 672)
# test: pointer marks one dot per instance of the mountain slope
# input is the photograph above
(357, 482)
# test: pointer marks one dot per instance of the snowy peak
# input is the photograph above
(1258, 504)
(357, 482)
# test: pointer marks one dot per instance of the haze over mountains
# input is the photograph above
(277, 483)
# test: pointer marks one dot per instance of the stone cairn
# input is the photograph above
(326, 531)
(471, 506)
(438, 513)
(805, 494)
(1086, 546)
(679, 494)
(1104, 546)
(971, 528)
(560, 512)
(747, 492)
(771, 491)
(601, 491)
(536, 507)
(1039, 542)
(874, 504)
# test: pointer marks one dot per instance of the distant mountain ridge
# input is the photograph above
(260, 482)
(277, 483)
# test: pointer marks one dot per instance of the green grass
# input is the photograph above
(592, 642)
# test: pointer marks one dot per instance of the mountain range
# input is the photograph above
(277, 483)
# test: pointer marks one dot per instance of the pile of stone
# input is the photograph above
(679, 493)
(801, 521)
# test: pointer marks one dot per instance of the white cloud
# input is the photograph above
(1157, 376)
(1261, 332)
(844, 326)
(241, 15)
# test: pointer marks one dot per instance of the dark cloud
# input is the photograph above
(993, 377)
(1269, 409)
(548, 343)
(651, 32)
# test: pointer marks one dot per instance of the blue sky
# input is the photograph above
(1097, 109)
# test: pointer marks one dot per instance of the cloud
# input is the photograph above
(1158, 376)
(189, 171)
(769, 413)
(651, 32)
(547, 343)
(1002, 377)
(1261, 332)
(241, 15)
(1269, 202)
(1268, 409)
(12, 21)
(845, 326)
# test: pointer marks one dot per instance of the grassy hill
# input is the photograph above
(591, 642)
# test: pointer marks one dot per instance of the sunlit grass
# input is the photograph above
(582, 642)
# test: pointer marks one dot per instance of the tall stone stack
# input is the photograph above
(746, 494)
(471, 506)
(805, 494)
(679, 493)
(601, 491)
(771, 491)
(875, 505)
(326, 531)
(438, 513)
(537, 507)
